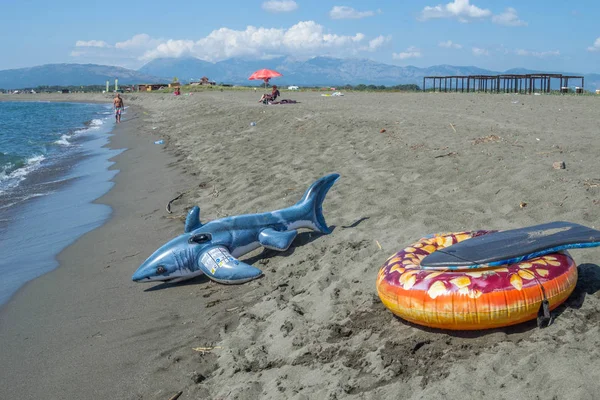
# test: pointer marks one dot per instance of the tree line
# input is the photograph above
(405, 88)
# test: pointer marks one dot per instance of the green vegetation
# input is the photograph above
(58, 88)
(347, 88)
(382, 88)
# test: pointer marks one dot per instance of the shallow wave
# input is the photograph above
(63, 141)
(25, 198)
(12, 178)
(92, 125)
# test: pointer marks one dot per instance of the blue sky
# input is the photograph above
(493, 34)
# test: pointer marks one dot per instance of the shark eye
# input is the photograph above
(161, 269)
(200, 238)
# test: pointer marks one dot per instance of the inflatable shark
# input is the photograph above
(213, 248)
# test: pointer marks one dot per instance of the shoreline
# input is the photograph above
(37, 220)
(44, 305)
(313, 326)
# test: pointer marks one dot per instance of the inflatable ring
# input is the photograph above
(484, 297)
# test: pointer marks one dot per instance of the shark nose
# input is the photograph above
(139, 276)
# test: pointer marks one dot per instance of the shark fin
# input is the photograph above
(192, 221)
(313, 201)
(220, 266)
(275, 240)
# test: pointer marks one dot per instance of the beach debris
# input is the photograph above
(252, 123)
(558, 165)
(203, 350)
(382, 131)
(154, 128)
(550, 152)
(417, 146)
(197, 377)
(453, 128)
(452, 153)
(591, 183)
(486, 139)
(563, 202)
(176, 395)
(172, 200)
(234, 308)
(523, 204)
(215, 192)
(180, 217)
(515, 102)
(378, 245)
(159, 142)
(130, 255)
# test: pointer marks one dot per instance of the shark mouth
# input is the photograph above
(176, 277)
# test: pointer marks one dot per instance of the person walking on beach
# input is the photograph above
(119, 105)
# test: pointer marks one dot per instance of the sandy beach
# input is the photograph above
(313, 327)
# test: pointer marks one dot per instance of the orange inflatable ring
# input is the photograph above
(481, 298)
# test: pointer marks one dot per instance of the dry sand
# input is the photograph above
(313, 327)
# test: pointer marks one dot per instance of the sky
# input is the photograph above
(493, 34)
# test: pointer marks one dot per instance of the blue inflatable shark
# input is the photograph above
(212, 248)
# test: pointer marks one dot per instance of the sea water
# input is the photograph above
(53, 165)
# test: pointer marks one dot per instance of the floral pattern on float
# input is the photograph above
(404, 266)
(476, 298)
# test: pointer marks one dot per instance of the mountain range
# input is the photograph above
(70, 75)
(314, 72)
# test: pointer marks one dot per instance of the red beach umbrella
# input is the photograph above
(264, 74)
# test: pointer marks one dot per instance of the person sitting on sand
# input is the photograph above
(177, 91)
(270, 97)
(119, 106)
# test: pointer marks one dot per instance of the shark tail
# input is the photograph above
(313, 200)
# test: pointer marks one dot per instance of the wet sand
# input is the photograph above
(313, 326)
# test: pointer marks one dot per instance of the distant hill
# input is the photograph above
(183, 68)
(71, 74)
(321, 71)
(314, 72)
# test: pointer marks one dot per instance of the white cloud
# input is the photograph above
(91, 43)
(411, 52)
(508, 18)
(480, 52)
(344, 12)
(278, 6)
(138, 41)
(595, 46)
(304, 39)
(376, 43)
(538, 54)
(460, 9)
(450, 45)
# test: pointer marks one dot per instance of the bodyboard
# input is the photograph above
(511, 246)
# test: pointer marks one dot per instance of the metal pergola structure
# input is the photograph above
(505, 83)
